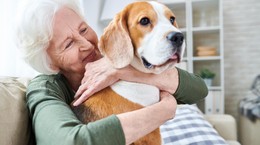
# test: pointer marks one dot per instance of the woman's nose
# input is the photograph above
(84, 44)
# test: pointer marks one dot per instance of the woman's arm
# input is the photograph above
(186, 87)
(137, 124)
(167, 80)
(54, 122)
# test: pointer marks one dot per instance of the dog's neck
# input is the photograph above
(136, 63)
(142, 94)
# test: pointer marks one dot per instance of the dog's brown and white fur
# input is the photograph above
(146, 36)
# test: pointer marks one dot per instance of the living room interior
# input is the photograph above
(222, 45)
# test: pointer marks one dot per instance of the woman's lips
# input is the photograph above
(91, 57)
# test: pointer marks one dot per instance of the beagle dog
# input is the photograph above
(145, 35)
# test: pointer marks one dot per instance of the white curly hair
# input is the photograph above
(34, 30)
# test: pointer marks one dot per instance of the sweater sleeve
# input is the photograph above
(54, 123)
(191, 88)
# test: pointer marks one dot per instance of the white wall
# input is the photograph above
(11, 62)
(241, 49)
(92, 10)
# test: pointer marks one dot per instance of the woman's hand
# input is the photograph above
(169, 103)
(98, 75)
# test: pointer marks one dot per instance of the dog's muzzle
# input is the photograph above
(176, 38)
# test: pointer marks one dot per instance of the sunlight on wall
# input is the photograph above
(11, 62)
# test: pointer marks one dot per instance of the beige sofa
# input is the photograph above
(249, 131)
(225, 126)
(15, 127)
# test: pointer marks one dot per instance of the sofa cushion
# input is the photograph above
(15, 127)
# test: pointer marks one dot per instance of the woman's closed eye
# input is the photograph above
(83, 30)
(68, 44)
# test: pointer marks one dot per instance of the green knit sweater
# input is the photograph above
(54, 123)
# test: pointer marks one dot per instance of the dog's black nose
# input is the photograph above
(176, 38)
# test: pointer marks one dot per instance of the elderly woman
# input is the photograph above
(61, 45)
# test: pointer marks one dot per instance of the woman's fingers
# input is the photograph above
(84, 96)
(169, 102)
(80, 91)
(86, 90)
(165, 95)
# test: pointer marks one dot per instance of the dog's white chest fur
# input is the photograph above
(138, 93)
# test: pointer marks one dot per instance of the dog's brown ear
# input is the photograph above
(115, 43)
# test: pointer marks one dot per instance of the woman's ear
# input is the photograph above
(48, 64)
(115, 43)
(54, 68)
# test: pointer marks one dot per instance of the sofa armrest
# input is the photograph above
(224, 124)
(15, 127)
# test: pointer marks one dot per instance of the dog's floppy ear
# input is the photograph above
(116, 43)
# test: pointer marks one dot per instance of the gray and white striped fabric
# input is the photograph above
(190, 128)
(250, 105)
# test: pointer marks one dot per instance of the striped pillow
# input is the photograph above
(190, 128)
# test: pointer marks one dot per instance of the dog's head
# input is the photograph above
(145, 35)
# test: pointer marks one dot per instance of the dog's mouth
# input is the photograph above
(147, 64)
(175, 58)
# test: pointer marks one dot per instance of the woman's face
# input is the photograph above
(74, 43)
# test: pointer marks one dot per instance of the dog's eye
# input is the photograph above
(172, 19)
(145, 21)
